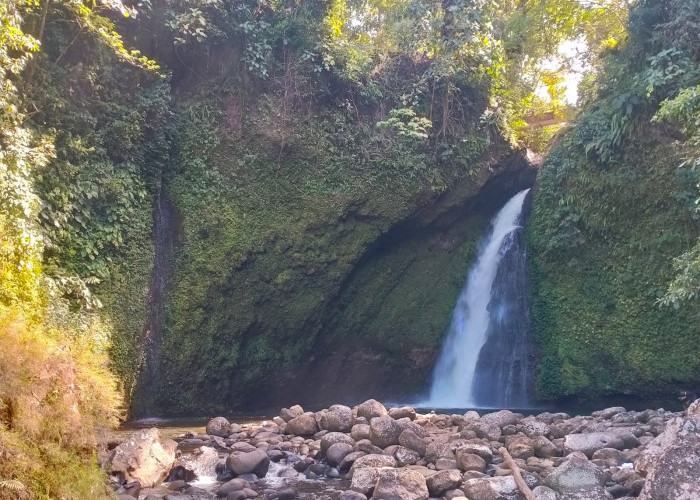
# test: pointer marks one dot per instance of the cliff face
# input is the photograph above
(304, 275)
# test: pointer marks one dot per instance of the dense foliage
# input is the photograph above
(616, 204)
(80, 131)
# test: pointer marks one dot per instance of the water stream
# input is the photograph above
(484, 361)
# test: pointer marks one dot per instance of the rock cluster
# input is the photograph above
(369, 452)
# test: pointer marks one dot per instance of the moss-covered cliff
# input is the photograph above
(612, 211)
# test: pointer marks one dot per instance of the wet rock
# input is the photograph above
(442, 481)
(303, 425)
(370, 409)
(671, 462)
(255, 462)
(285, 494)
(337, 452)
(591, 442)
(144, 457)
(384, 431)
(338, 418)
(231, 486)
(400, 484)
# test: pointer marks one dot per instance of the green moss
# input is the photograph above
(602, 243)
(272, 231)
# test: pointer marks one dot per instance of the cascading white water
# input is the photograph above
(453, 377)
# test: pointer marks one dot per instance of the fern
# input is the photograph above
(12, 484)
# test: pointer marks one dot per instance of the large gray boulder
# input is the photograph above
(338, 418)
(370, 409)
(400, 484)
(303, 425)
(593, 441)
(671, 462)
(144, 457)
(256, 462)
(384, 431)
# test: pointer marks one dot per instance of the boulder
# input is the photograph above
(671, 462)
(400, 484)
(520, 446)
(578, 479)
(500, 418)
(373, 461)
(237, 484)
(384, 431)
(608, 413)
(144, 457)
(405, 456)
(544, 493)
(219, 426)
(370, 409)
(402, 412)
(480, 449)
(359, 432)
(337, 452)
(591, 442)
(364, 479)
(412, 441)
(486, 430)
(288, 414)
(254, 462)
(436, 451)
(351, 495)
(544, 448)
(332, 438)
(469, 461)
(693, 409)
(303, 425)
(201, 462)
(495, 488)
(442, 481)
(338, 418)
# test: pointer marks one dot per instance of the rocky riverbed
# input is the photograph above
(371, 452)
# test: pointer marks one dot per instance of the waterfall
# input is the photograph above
(484, 360)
